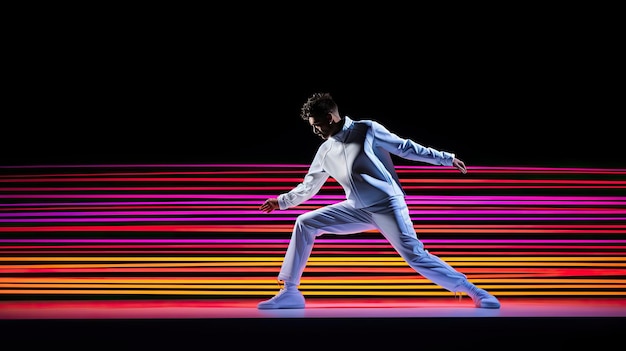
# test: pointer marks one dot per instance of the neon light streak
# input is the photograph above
(196, 230)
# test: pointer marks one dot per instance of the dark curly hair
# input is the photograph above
(317, 106)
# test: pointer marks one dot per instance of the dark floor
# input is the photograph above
(550, 324)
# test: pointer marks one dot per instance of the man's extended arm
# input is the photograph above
(410, 150)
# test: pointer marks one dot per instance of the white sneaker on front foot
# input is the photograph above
(286, 298)
(481, 298)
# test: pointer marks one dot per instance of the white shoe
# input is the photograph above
(286, 298)
(481, 298)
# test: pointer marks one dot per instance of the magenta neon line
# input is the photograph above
(154, 173)
(400, 170)
(495, 169)
(310, 202)
(162, 165)
(294, 180)
(319, 246)
(446, 198)
(297, 212)
(276, 219)
(322, 240)
(252, 202)
(283, 188)
(151, 179)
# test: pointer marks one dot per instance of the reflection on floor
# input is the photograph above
(328, 323)
(316, 308)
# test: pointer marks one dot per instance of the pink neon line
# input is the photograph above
(316, 201)
(152, 179)
(255, 207)
(153, 173)
(421, 198)
(280, 250)
(400, 170)
(276, 219)
(495, 170)
(327, 187)
(297, 212)
(158, 203)
(269, 177)
(159, 165)
(304, 166)
(317, 246)
(295, 180)
(319, 240)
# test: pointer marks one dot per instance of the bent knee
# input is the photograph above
(308, 219)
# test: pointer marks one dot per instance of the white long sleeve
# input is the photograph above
(359, 159)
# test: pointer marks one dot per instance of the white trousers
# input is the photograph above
(391, 218)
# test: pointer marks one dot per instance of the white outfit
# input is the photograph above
(359, 159)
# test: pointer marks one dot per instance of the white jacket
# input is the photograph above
(358, 158)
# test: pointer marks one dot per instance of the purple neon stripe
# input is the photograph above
(275, 219)
(154, 173)
(160, 165)
(319, 240)
(311, 202)
(125, 203)
(330, 197)
(297, 212)
(135, 196)
(263, 165)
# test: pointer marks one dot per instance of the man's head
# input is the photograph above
(321, 111)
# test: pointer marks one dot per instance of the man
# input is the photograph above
(357, 154)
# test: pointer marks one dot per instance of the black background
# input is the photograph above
(525, 90)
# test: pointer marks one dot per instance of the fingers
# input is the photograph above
(460, 165)
(267, 206)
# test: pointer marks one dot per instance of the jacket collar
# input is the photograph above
(343, 133)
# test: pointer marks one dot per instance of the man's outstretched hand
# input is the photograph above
(269, 205)
(460, 165)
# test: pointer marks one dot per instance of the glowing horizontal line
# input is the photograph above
(307, 288)
(318, 246)
(290, 219)
(320, 240)
(393, 264)
(411, 201)
(367, 259)
(301, 170)
(280, 250)
(595, 229)
(537, 270)
(157, 173)
(313, 203)
(308, 293)
(163, 165)
(306, 282)
(287, 181)
(265, 181)
(297, 212)
(301, 166)
(444, 199)
(254, 208)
